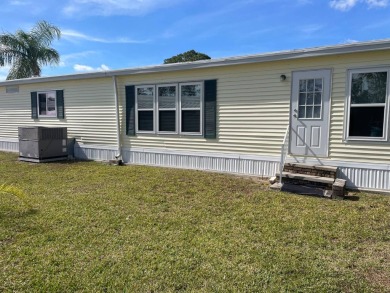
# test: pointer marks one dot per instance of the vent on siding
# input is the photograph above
(11, 89)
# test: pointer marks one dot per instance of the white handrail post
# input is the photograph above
(283, 153)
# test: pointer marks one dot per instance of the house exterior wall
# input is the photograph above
(253, 108)
(89, 111)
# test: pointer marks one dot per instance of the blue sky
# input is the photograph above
(114, 34)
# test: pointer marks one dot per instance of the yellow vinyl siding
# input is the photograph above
(253, 107)
(89, 110)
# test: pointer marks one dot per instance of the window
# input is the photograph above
(310, 98)
(145, 108)
(367, 105)
(167, 105)
(174, 108)
(47, 105)
(188, 108)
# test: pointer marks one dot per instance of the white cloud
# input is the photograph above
(86, 68)
(115, 7)
(345, 5)
(73, 35)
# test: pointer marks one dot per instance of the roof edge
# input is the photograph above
(356, 47)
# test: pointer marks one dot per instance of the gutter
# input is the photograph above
(118, 156)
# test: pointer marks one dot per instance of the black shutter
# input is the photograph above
(130, 110)
(210, 108)
(34, 105)
(60, 104)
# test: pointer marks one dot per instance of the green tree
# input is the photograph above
(27, 52)
(188, 56)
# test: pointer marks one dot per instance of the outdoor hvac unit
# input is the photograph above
(42, 144)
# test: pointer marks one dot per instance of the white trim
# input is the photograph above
(168, 109)
(200, 109)
(152, 109)
(348, 106)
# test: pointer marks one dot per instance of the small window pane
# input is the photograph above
(42, 104)
(310, 99)
(167, 121)
(309, 112)
(51, 104)
(190, 121)
(317, 112)
(318, 85)
(167, 97)
(145, 97)
(366, 121)
(368, 88)
(190, 96)
(302, 85)
(318, 98)
(301, 112)
(302, 99)
(145, 120)
(310, 85)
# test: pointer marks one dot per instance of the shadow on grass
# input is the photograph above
(17, 213)
(352, 198)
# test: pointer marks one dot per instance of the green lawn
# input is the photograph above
(100, 228)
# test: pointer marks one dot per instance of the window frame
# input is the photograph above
(136, 109)
(176, 85)
(201, 84)
(347, 137)
(156, 110)
(39, 107)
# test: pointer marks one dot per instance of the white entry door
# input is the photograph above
(310, 105)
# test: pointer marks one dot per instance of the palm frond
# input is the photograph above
(45, 32)
(14, 191)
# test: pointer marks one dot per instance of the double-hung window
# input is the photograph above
(145, 108)
(47, 104)
(191, 108)
(167, 108)
(368, 104)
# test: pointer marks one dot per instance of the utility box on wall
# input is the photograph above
(42, 144)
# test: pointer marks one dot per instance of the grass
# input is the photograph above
(100, 228)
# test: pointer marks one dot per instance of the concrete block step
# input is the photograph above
(306, 177)
(311, 166)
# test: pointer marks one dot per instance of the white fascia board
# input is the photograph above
(257, 58)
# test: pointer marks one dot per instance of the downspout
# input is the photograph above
(118, 156)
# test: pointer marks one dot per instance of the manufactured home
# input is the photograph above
(326, 106)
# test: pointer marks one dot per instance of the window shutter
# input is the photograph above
(60, 104)
(130, 110)
(210, 108)
(34, 105)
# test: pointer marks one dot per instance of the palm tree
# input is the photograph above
(27, 52)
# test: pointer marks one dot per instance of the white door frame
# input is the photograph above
(326, 75)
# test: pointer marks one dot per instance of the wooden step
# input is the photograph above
(306, 177)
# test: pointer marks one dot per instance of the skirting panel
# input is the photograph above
(9, 145)
(93, 152)
(365, 178)
(358, 175)
(229, 164)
